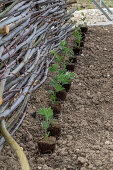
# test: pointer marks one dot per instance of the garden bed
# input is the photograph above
(86, 140)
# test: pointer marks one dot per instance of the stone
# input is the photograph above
(45, 167)
(83, 168)
(41, 161)
(82, 160)
(108, 142)
(69, 137)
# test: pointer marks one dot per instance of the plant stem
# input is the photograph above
(17, 149)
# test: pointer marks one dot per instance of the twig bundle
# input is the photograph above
(29, 31)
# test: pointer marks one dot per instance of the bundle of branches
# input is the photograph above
(29, 31)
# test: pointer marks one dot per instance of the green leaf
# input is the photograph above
(53, 82)
(59, 59)
(47, 135)
(45, 125)
(59, 88)
(54, 68)
(54, 52)
(42, 111)
(52, 92)
(50, 113)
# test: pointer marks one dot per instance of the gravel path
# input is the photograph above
(93, 17)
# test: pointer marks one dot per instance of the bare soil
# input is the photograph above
(86, 141)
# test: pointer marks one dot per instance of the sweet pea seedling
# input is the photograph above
(48, 115)
(78, 36)
(52, 96)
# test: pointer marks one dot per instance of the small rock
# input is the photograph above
(82, 160)
(63, 152)
(107, 126)
(108, 142)
(31, 144)
(45, 167)
(83, 168)
(98, 163)
(111, 147)
(112, 160)
(41, 161)
(69, 137)
(90, 166)
(59, 142)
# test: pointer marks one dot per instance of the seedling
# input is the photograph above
(78, 36)
(54, 68)
(61, 79)
(65, 78)
(52, 96)
(58, 59)
(48, 114)
(83, 18)
(55, 83)
(67, 51)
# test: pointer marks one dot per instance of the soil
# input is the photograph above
(70, 67)
(56, 109)
(55, 130)
(61, 95)
(67, 86)
(47, 146)
(86, 141)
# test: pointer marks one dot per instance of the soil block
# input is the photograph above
(83, 36)
(84, 29)
(81, 44)
(47, 146)
(67, 86)
(61, 95)
(73, 60)
(56, 110)
(77, 51)
(70, 67)
(55, 130)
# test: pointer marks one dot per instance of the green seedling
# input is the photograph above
(61, 79)
(83, 18)
(58, 59)
(56, 84)
(48, 115)
(78, 36)
(52, 96)
(54, 68)
(67, 51)
(65, 78)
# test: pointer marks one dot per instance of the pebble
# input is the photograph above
(41, 160)
(108, 142)
(45, 167)
(99, 163)
(69, 137)
(82, 160)
(83, 168)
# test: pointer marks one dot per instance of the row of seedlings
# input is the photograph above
(61, 84)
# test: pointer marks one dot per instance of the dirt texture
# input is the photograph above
(86, 141)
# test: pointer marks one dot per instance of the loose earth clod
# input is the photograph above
(47, 146)
(73, 60)
(56, 110)
(77, 51)
(61, 95)
(70, 67)
(55, 130)
(67, 86)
